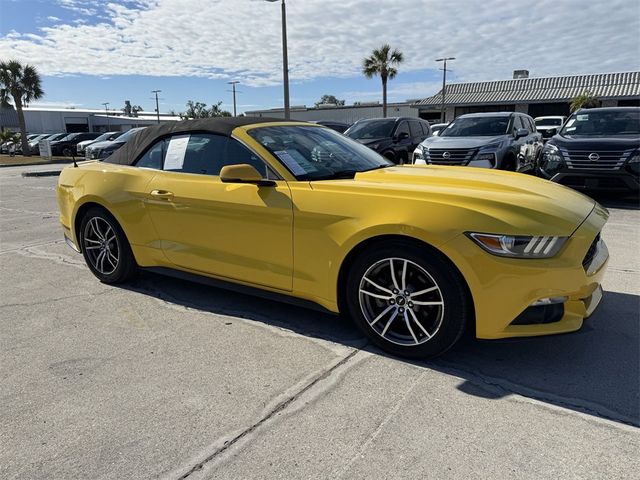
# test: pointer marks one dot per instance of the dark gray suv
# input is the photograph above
(501, 140)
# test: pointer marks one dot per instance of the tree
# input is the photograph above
(383, 62)
(200, 110)
(329, 100)
(20, 83)
(585, 100)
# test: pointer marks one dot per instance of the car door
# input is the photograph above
(417, 134)
(522, 145)
(536, 141)
(403, 141)
(235, 231)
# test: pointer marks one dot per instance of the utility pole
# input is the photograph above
(233, 86)
(444, 83)
(285, 61)
(106, 111)
(157, 107)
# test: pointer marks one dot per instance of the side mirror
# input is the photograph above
(402, 136)
(243, 173)
(522, 132)
(552, 131)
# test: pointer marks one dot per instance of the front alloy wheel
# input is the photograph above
(401, 302)
(408, 299)
(105, 247)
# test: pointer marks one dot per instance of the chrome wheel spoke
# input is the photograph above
(377, 286)
(404, 275)
(92, 247)
(386, 327)
(384, 312)
(406, 321)
(393, 275)
(92, 241)
(376, 295)
(421, 292)
(416, 302)
(415, 319)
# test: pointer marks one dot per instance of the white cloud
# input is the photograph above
(329, 38)
(53, 19)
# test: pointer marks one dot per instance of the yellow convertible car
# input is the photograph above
(413, 254)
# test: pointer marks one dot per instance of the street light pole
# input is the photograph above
(444, 83)
(106, 111)
(157, 106)
(233, 86)
(285, 61)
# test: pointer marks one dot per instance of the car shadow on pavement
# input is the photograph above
(617, 200)
(595, 370)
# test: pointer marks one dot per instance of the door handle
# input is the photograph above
(161, 194)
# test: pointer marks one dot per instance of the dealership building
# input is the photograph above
(71, 120)
(536, 96)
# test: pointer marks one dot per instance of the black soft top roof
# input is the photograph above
(142, 140)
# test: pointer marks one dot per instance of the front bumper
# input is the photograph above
(619, 180)
(503, 288)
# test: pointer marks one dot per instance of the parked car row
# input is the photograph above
(596, 148)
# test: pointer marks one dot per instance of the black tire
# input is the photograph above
(509, 163)
(452, 316)
(67, 152)
(101, 240)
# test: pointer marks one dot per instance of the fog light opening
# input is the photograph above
(549, 301)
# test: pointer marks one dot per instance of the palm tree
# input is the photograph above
(22, 84)
(382, 62)
(585, 100)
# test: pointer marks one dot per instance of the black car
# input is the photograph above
(500, 140)
(596, 149)
(394, 138)
(67, 146)
(337, 126)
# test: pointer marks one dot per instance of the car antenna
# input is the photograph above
(75, 165)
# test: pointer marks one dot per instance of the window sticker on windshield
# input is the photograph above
(175, 152)
(571, 122)
(570, 129)
(582, 118)
(290, 162)
(303, 162)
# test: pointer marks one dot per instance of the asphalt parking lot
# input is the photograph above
(169, 379)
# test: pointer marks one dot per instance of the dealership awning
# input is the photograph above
(543, 89)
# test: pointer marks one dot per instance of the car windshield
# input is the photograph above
(103, 137)
(316, 153)
(128, 134)
(57, 136)
(370, 129)
(602, 123)
(476, 127)
(68, 137)
(543, 122)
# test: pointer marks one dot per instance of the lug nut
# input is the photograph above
(401, 310)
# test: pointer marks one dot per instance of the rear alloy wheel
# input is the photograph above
(408, 300)
(105, 247)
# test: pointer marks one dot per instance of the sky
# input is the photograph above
(94, 51)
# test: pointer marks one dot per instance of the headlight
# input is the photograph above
(483, 160)
(635, 158)
(418, 154)
(551, 159)
(519, 246)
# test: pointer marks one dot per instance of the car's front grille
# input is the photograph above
(449, 156)
(591, 252)
(595, 159)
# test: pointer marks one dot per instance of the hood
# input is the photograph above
(512, 203)
(104, 144)
(371, 141)
(461, 142)
(599, 144)
(84, 143)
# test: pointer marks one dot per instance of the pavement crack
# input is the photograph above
(274, 411)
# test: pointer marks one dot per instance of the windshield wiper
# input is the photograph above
(337, 175)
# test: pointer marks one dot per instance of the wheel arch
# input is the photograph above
(81, 212)
(371, 242)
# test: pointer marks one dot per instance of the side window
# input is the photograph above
(402, 128)
(236, 153)
(416, 130)
(517, 123)
(154, 157)
(197, 153)
(532, 125)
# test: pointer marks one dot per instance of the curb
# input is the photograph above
(43, 173)
(53, 162)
